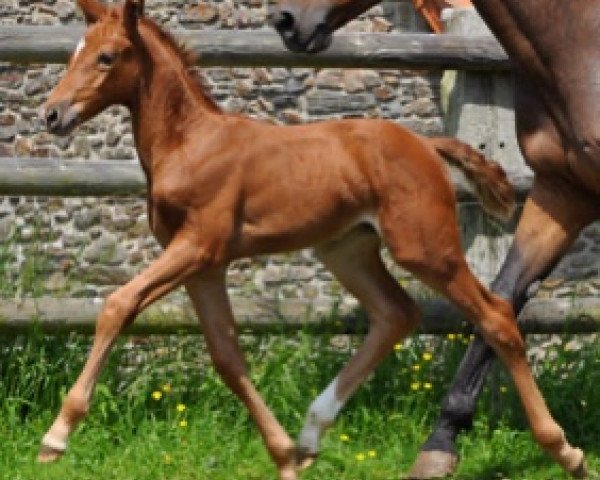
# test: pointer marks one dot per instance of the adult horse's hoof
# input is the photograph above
(432, 464)
(304, 458)
(49, 454)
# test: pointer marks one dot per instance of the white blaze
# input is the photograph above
(321, 414)
(79, 48)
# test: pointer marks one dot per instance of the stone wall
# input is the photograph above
(87, 247)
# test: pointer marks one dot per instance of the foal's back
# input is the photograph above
(295, 186)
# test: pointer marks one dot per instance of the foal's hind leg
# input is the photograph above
(436, 258)
(355, 261)
(209, 296)
(552, 217)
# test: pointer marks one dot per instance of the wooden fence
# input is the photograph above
(27, 44)
(53, 177)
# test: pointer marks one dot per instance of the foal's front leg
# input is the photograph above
(209, 296)
(181, 258)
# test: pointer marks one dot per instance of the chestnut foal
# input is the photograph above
(222, 187)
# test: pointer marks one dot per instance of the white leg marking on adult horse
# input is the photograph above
(320, 416)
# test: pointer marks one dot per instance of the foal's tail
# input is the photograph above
(492, 188)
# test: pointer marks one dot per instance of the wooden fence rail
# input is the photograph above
(63, 315)
(41, 44)
(77, 177)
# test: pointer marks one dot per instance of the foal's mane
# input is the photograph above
(185, 55)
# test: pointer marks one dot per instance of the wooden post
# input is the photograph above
(478, 109)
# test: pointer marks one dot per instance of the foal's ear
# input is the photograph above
(92, 10)
(132, 10)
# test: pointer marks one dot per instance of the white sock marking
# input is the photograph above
(320, 416)
(54, 443)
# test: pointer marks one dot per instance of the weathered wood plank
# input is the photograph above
(42, 44)
(74, 178)
(70, 178)
(63, 315)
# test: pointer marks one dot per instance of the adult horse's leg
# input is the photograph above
(209, 296)
(178, 261)
(356, 263)
(553, 215)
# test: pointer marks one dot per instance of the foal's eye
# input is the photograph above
(106, 59)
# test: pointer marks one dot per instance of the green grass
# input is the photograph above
(131, 435)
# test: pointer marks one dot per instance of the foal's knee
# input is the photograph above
(118, 310)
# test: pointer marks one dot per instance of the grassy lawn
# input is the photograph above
(195, 429)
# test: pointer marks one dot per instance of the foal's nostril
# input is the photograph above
(52, 117)
(283, 21)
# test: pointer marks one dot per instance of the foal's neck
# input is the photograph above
(169, 103)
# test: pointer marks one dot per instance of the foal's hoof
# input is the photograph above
(432, 464)
(304, 458)
(49, 454)
(581, 471)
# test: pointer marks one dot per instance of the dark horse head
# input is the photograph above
(307, 25)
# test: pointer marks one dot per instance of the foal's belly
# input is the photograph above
(284, 234)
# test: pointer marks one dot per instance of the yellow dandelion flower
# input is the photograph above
(157, 395)
(427, 356)
(583, 403)
(183, 423)
(416, 367)
(344, 437)
(427, 386)
(372, 453)
(451, 336)
(360, 457)
(181, 407)
(166, 387)
(167, 459)
(503, 389)
(415, 386)
(398, 347)
(472, 337)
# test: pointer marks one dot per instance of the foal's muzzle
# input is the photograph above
(61, 118)
(294, 38)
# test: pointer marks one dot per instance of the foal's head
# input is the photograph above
(104, 69)
(307, 25)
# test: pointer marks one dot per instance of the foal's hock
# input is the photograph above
(222, 187)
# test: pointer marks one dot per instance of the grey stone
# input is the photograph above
(86, 218)
(324, 102)
(56, 282)
(65, 10)
(7, 134)
(34, 86)
(7, 228)
(105, 249)
(103, 275)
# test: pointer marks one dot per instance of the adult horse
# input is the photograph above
(223, 186)
(553, 46)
